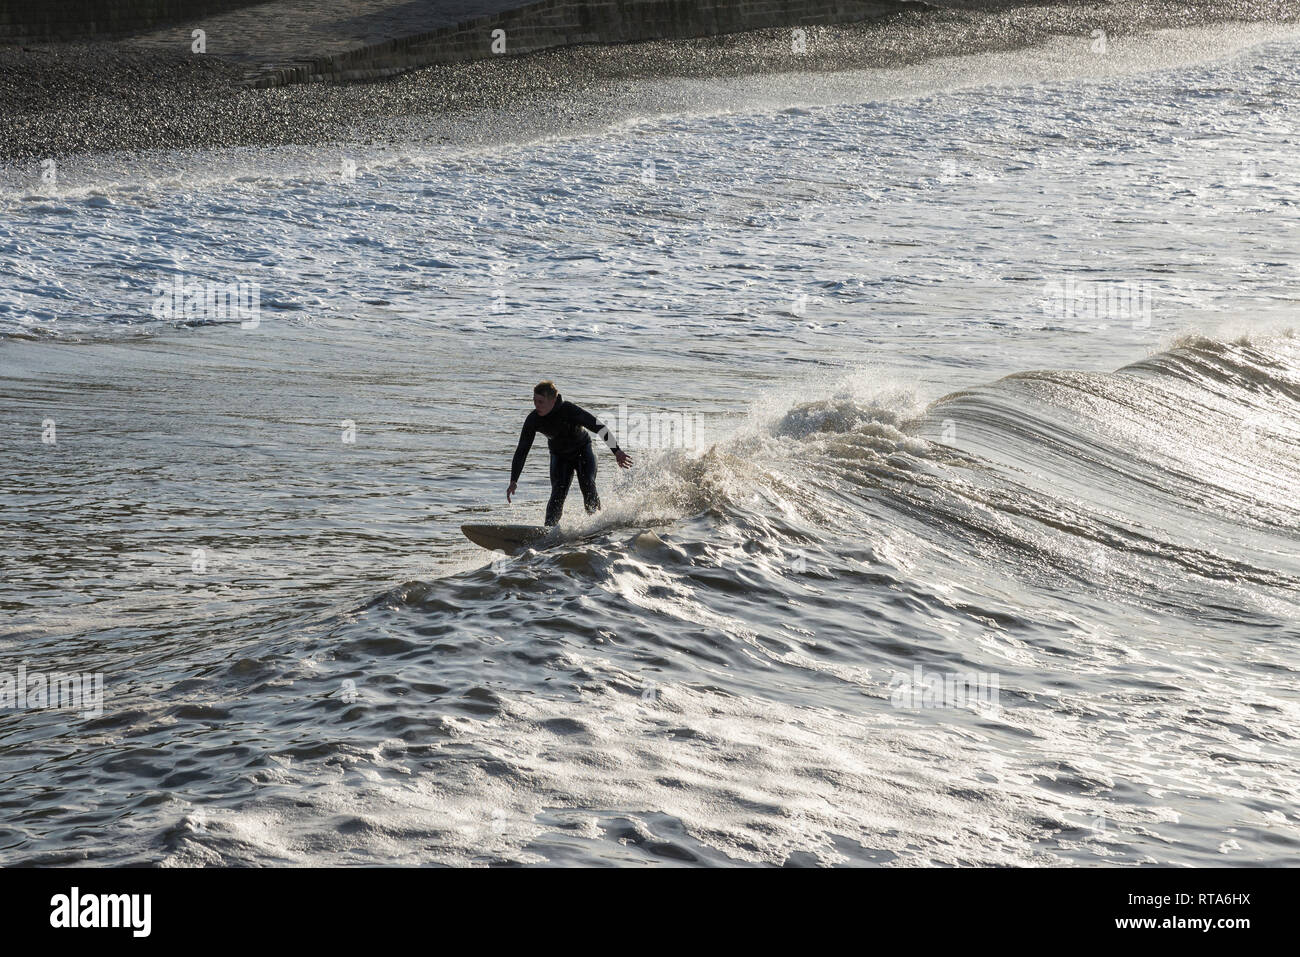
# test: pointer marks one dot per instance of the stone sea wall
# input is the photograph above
(85, 19)
(470, 29)
(555, 23)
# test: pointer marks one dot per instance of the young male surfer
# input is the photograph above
(563, 424)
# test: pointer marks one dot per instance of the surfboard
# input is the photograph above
(505, 538)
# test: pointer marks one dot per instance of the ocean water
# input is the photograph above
(963, 529)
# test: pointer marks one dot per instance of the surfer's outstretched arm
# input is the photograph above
(526, 437)
(589, 422)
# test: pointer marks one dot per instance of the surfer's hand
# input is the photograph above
(511, 490)
(624, 460)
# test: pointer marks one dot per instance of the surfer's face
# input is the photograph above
(543, 403)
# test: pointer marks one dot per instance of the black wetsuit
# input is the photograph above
(565, 428)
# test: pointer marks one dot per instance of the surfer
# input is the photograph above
(563, 424)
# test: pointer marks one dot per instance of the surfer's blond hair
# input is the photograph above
(547, 388)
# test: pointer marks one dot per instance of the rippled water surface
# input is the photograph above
(907, 459)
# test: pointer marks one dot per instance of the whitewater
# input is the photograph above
(991, 386)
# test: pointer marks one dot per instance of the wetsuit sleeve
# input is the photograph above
(588, 422)
(521, 451)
